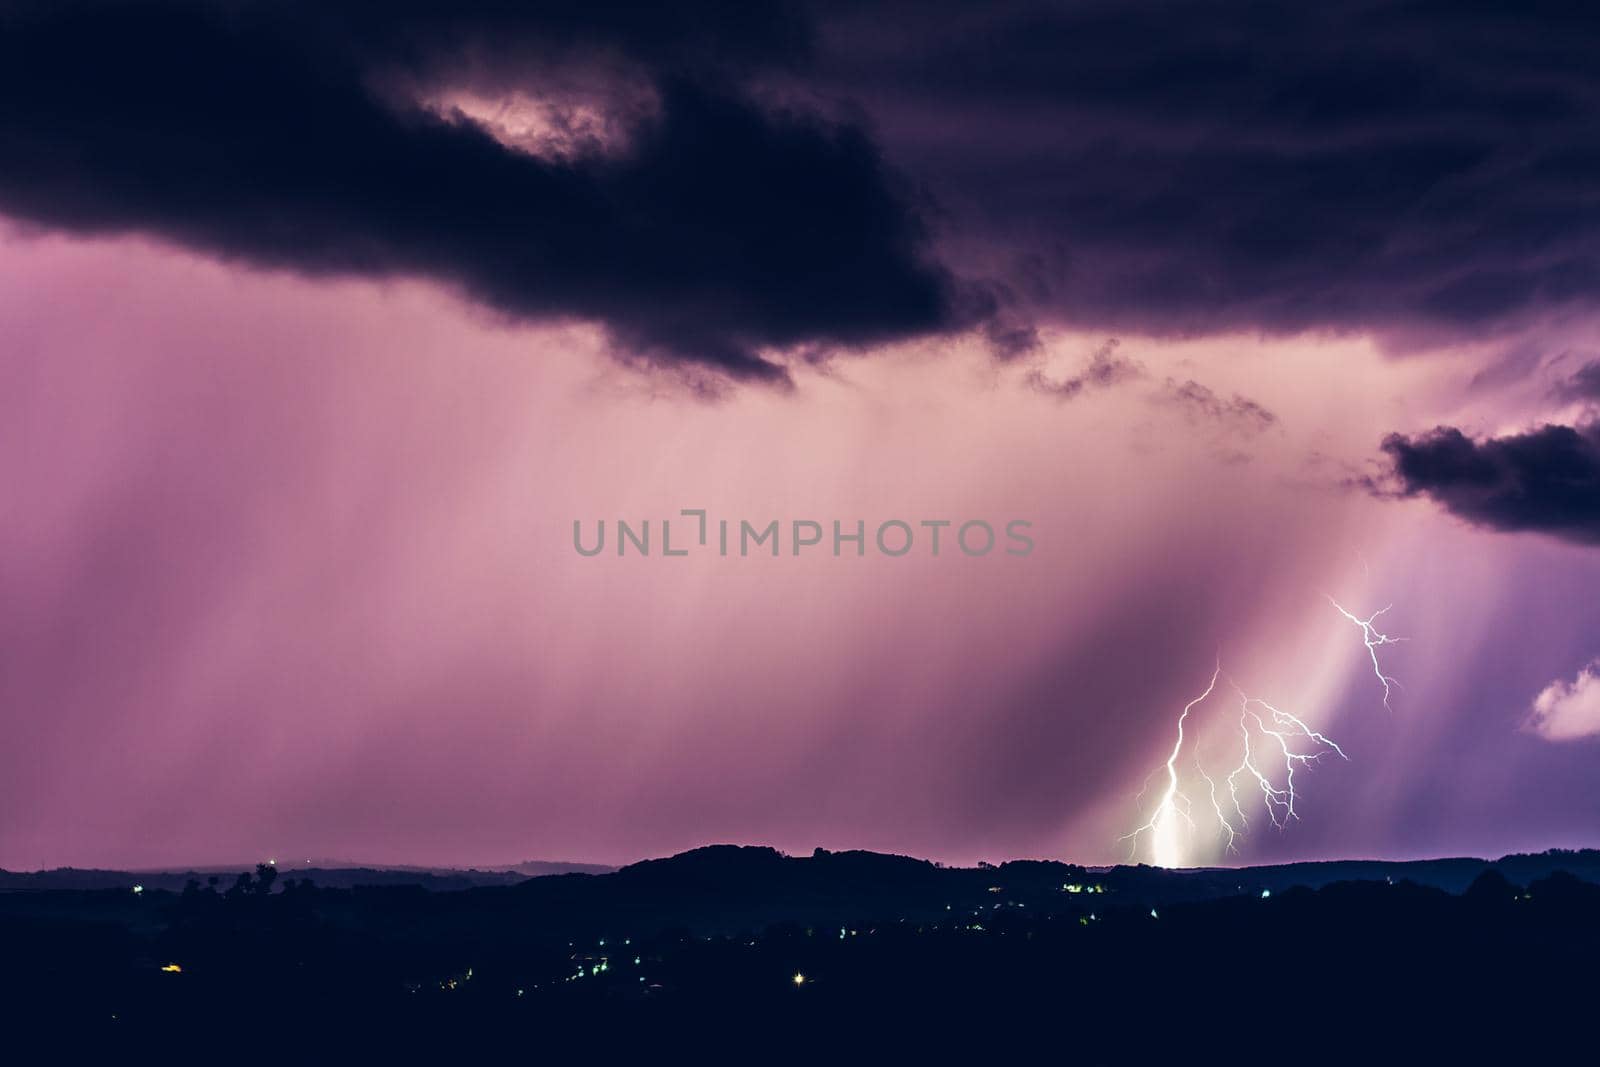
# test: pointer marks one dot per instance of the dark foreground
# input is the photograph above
(745, 955)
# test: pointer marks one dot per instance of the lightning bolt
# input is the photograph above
(1283, 735)
(1167, 810)
(1374, 640)
(1285, 730)
(1216, 806)
(1273, 745)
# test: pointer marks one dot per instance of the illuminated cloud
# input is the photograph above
(1567, 711)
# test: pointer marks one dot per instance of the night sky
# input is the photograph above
(321, 324)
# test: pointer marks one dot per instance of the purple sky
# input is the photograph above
(287, 485)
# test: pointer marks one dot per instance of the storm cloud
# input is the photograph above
(787, 177)
(1546, 480)
(273, 135)
(1212, 166)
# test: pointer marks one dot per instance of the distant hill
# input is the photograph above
(540, 868)
(330, 874)
(1451, 875)
(725, 886)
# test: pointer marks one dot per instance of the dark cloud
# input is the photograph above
(1205, 166)
(1104, 369)
(1415, 166)
(264, 133)
(1011, 340)
(1546, 480)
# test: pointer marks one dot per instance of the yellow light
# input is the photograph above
(799, 979)
(173, 968)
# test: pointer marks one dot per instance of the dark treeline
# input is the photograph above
(746, 954)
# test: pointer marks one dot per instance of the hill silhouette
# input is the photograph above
(746, 953)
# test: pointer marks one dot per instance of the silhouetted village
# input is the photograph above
(747, 954)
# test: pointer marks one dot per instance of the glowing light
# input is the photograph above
(798, 979)
(1162, 823)
(172, 968)
(1279, 802)
(138, 889)
(1265, 893)
(1296, 743)
(1374, 640)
